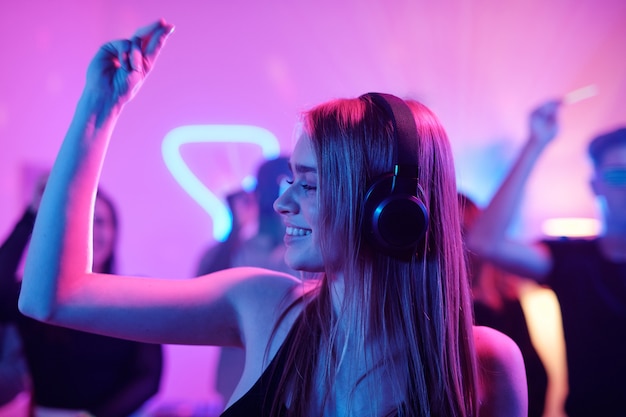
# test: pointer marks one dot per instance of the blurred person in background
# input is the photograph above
(75, 372)
(256, 239)
(588, 276)
(497, 304)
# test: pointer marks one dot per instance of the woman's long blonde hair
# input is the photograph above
(415, 316)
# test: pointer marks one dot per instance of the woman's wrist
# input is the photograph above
(97, 106)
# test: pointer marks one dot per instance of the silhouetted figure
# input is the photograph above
(587, 275)
(264, 249)
(497, 305)
(244, 213)
(15, 384)
(74, 370)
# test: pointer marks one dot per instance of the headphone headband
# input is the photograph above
(395, 219)
(403, 125)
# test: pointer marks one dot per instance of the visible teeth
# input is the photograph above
(296, 231)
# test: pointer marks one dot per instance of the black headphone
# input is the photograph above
(395, 219)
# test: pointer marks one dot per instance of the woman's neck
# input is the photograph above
(337, 291)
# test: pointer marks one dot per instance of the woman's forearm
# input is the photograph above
(60, 250)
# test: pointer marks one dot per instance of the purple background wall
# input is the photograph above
(482, 65)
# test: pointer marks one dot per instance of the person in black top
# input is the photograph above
(377, 331)
(74, 370)
(15, 385)
(588, 276)
(262, 248)
(497, 305)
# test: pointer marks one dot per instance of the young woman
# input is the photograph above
(372, 336)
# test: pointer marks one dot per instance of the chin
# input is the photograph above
(304, 265)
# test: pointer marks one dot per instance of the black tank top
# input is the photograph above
(258, 400)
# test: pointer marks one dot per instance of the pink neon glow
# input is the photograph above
(481, 65)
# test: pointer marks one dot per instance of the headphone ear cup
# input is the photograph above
(395, 219)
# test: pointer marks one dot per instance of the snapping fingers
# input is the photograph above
(147, 43)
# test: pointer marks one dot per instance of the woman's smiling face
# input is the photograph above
(298, 207)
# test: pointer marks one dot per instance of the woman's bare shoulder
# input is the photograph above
(260, 296)
(502, 376)
(494, 345)
(250, 284)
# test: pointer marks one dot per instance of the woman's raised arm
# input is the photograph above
(59, 286)
(60, 251)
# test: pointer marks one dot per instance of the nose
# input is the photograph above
(286, 203)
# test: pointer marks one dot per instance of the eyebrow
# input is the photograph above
(303, 169)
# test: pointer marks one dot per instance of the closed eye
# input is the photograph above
(304, 185)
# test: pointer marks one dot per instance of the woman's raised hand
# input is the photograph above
(120, 67)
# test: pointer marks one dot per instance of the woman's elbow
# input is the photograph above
(35, 307)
